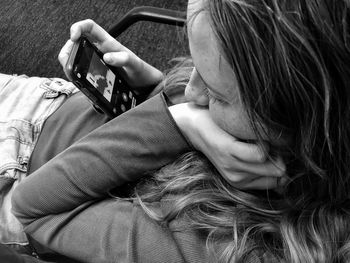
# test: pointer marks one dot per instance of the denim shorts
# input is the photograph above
(25, 104)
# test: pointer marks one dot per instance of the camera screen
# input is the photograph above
(101, 77)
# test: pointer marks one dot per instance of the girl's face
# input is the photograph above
(213, 83)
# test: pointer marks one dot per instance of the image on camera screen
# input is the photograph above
(101, 77)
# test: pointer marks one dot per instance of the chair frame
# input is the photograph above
(148, 13)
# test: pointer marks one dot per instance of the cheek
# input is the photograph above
(232, 119)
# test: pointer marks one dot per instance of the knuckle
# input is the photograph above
(257, 154)
(280, 168)
(227, 164)
(260, 157)
(74, 25)
(60, 57)
(127, 56)
(60, 54)
(235, 178)
(89, 21)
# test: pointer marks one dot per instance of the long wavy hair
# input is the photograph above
(292, 63)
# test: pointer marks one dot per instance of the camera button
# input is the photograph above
(78, 84)
(125, 97)
(123, 108)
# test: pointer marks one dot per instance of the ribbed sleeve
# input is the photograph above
(142, 139)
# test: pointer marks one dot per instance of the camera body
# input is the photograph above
(101, 83)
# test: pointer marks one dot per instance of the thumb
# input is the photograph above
(117, 59)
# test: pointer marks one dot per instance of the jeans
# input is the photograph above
(25, 104)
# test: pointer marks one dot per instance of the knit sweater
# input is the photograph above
(64, 204)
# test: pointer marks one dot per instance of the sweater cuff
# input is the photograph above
(168, 103)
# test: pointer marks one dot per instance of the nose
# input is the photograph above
(196, 90)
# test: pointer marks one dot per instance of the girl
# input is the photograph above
(271, 71)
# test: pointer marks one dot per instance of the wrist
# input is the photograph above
(184, 115)
(179, 112)
(150, 74)
(151, 77)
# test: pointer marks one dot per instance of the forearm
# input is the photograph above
(143, 139)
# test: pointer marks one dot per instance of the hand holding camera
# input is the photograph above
(107, 72)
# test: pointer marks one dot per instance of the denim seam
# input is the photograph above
(11, 165)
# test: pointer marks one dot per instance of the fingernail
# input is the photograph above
(107, 58)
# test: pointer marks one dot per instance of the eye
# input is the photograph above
(213, 99)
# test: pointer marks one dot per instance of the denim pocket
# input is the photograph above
(11, 230)
(55, 87)
(25, 104)
(17, 138)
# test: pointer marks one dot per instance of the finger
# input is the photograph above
(238, 179)
(123, 59)
(275, 168)
(95, 33)
(64, 53)
(90, 28)
(117, 59)
(63, 56)
(261, 183)
(249, 152)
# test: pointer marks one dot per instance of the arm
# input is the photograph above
(114, 231)
(243, 165)
(143, 139)
(59, 203)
